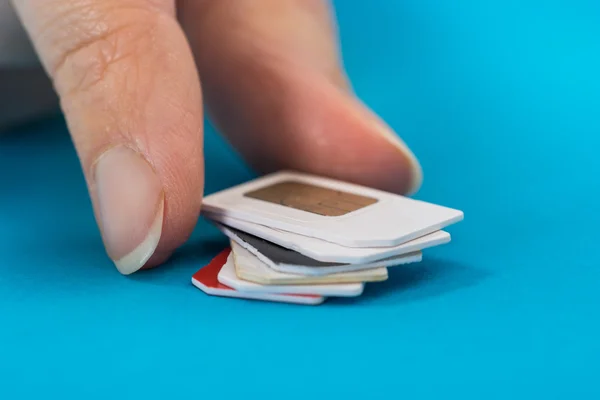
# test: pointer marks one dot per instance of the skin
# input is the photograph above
(138, 74)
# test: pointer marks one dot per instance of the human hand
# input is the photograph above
(133, 75)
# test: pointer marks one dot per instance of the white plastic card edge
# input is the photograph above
(264, 275)
(324, 251)
(279, 298)
(228, 278)
(274, 297)
(306, 270)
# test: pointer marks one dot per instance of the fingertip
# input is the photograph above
(413, 179)
(157, 259)
(330, 132)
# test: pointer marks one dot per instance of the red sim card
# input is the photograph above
(206, 279)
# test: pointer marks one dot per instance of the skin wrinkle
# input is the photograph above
(78, 9)
(94, 97)
(63, 14)
(95, 73)
(126, 81)
(100, 55)
(82, 24)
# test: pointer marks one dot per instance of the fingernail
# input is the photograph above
(131, 206)
(416, 170)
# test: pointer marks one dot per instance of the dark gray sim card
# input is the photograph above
(277, 253)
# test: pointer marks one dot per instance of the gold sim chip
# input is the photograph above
(311, 198)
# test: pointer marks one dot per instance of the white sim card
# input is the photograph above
(228, 277)
(206, 279)
(330, 210)
(249, 268)
(285, 260)
(331, 252)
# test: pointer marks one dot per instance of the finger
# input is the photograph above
(130, 93)
(275, 86)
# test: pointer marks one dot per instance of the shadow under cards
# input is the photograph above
(430, 278)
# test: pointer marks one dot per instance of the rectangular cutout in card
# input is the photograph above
(312, 198)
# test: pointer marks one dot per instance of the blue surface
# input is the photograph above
(500, 101)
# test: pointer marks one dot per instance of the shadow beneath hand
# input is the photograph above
(69, 264)
(430, 278)
(41, 172)
(178, 271)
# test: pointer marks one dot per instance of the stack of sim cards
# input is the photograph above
(300, 238)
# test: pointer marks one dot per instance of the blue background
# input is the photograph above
(499, 100)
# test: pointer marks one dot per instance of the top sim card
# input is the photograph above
(334, 211)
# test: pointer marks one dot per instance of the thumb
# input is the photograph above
(131, 97)
(276, 87)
